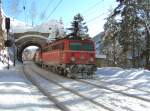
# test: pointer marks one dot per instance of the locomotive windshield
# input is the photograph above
(87, 47)
(75, 46)
(81, 46)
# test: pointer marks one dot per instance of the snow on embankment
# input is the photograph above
(4, 58)
(134, 78)
(2, 66)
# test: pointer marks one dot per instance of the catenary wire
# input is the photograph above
(54, 9)
(44, 12)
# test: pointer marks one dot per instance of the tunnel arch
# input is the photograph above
(25, 45)
(28, 39)
(30, 36)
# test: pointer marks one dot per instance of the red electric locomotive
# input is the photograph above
(74, 58)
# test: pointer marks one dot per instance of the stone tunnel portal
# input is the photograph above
(26, 41)
(20, 50)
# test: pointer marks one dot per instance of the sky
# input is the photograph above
(93, 11)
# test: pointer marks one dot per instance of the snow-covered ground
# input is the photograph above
(133, 78)
(68, 99)
(105, 96)
(17, 93)
(2, 66)
(113, 89)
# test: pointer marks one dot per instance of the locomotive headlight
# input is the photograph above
(73, 59)
(91, 59)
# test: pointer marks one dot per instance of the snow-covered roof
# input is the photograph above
(17, 26)
(48, 27)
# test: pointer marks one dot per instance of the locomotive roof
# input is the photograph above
(68, 38)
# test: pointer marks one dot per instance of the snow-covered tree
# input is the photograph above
(134, 18)
(111, 46)
(131, 33)
(78, 27)
(144, 8)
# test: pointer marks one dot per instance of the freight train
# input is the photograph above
(70, 57)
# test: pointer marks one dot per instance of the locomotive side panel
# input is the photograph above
(54, 53)
(52, 57)
(71, 58)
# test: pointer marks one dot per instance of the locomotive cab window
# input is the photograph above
(75, 46)
(88, 47)
(81, 46)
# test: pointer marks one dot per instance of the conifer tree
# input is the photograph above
(132, 32)
(144, 7)
(111, 44)
(78, 27)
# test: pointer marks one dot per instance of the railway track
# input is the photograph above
(72, 91)
(110, 83)
(107, 106)
(62, 106)
(114, 90)
(50, 97)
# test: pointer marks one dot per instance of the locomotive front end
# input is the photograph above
(81, 58)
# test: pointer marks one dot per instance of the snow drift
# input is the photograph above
(134, 78)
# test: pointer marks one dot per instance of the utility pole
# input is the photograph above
(14, 51)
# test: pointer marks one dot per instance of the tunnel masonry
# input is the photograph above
(23, 40)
